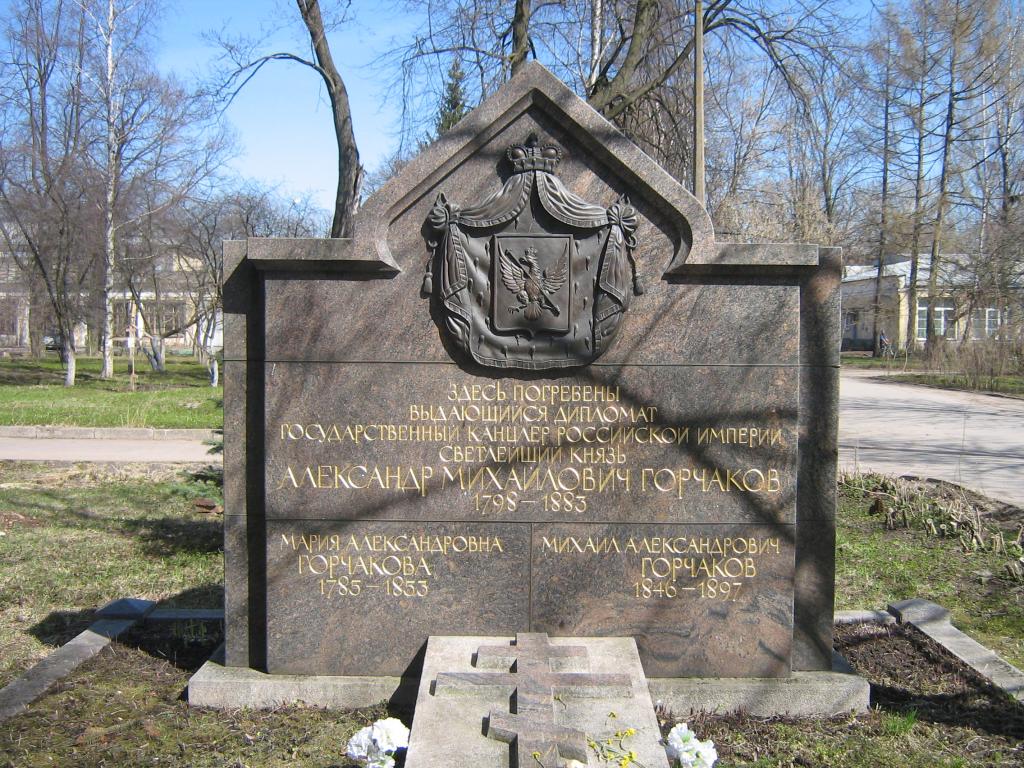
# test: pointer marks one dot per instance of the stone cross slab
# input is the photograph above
(536, 672)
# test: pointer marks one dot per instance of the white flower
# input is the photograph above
(375, 744)
(380, 760)
(680, 744)
(707, 755)
(687, 751)
(390, 735)
(361, 743)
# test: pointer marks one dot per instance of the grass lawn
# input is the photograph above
(1006, 385)
(865, 360)
(32, 392)
(76, 537)
(123, 708)
(875, 566)
(913, 371)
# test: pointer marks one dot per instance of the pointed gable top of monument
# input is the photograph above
(536, 94)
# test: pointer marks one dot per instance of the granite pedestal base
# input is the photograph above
(218, 686)
(804, 694)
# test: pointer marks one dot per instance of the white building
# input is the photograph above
(963, 312)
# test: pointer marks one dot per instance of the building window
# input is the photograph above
(123, 318)
(985, 323)
(163, 263)
(978, 324)
(945, 319)
(8, 269)
(9, 312)
(172, 318)
(851, 319)
(991, 322)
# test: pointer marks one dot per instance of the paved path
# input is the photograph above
(100, 444)
(89, 449)
(902, 429)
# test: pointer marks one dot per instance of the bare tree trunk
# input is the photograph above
(68, 353)
(884, 223)
(609, 96)
(155, 354)
(596, 41)
(349, 170)
(107, 331)
(520, 35)
(947, 147)
(110, 86)
(36, 318)
(160, 353)
(915, 239)
(968, 321)
(698, 102)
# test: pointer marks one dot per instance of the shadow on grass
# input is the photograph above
(59, 627)
(180, 374)
(210, 474)
(163, 537)
(204, 596)
(25, 373)
(177, 533)
(990, 711)
(185, 645)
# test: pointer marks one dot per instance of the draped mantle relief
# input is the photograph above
(534, 276)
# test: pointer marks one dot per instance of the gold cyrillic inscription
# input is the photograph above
(675, 567)
(559, 447)
(398, 565)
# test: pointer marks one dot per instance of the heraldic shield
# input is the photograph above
(534, 276)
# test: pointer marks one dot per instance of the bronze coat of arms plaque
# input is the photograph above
(531, 283)
(533, 276)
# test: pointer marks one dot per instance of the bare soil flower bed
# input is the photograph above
(927, 709)
(127, 708)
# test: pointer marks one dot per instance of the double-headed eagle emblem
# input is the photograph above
(523, 277)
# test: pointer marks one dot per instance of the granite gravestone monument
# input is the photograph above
(531, 393)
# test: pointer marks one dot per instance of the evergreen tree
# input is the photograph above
(453, 106)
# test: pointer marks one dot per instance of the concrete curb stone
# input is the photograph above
(113, 619)
(864, 617)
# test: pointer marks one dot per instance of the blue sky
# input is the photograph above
(281, 117)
